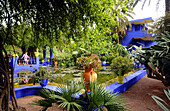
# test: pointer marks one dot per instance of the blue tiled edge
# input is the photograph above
(27, 90)
(128, 82)
(115, 87)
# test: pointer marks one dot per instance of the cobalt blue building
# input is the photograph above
(137, 34)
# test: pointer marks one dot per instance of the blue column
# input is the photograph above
(51, 55)
(45, 54)
(14, 62)
(37, 60)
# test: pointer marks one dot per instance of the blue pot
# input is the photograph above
(44, 82)
(103, 63)
(138, 65)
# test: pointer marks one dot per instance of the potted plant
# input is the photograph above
(120, 66)
(43, 75)
(89, 63)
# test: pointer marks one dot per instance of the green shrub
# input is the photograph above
(93, 60)
(103, 58)
(110, 58)
(120, 65)
(13, 50)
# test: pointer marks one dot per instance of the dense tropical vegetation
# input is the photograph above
(73, 28)
(67, 23)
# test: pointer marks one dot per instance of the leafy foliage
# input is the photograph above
(161, 24)
(66, 97)
(93, 60)
(120, 65)
(42, 73)
(13, 50)
(122, 50)
(156, 59)
(100, 98)
(55, 23)
(47, 102)
(159, 101)
(139, 54)
(103, 58)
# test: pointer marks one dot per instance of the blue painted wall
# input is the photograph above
(23, 68)
(138, 42)
(131, 34)
(137, 30)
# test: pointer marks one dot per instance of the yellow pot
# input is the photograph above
(15, 83)
(36, 55)
(120, 79)
(13, 55)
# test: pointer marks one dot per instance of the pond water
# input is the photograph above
(73, 73)
(105, 75)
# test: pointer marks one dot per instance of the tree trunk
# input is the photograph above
(6, 82)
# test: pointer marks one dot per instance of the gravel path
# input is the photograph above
(25, 102)
(136, 96)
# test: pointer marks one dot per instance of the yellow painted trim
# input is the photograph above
(13, 55)
(150, 38)
(143, 22)
(16, 85)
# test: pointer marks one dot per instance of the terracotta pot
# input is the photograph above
(89, 70)
(55, 63)
(120, 79)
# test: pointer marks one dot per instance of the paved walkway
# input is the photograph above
(137, 96)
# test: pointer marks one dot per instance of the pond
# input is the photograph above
(104, 76)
